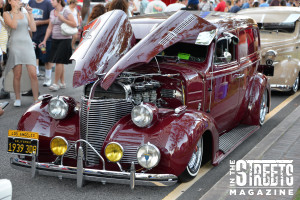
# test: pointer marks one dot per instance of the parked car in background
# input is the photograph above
(280, 41)
(162, 95)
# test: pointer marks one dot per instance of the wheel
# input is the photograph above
(194, 164)
(295, 86)
(263, 107)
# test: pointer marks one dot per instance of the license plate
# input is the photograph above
(22, 142)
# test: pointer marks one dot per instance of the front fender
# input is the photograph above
(174, 135)
(37, 119)
(258, 84)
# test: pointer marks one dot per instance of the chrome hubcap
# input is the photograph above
(195, 162)
(296, 84)
(263, 108)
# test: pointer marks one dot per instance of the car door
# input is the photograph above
(248, 56)
(224, 85)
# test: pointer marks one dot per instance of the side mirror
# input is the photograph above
(227, 56)
(233, 38)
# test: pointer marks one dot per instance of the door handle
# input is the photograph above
(239, 76)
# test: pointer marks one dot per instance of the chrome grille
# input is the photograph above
(72, 152)
(103, 115)
(129, 154)
(130, 143)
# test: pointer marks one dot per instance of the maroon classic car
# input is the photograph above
(162, 95)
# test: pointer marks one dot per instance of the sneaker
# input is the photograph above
(47, 82)
(62, 86)
(54, 87)
(39, 75)
(28, 94)
(4, 95)
(17, 103)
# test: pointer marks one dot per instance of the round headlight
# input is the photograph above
(148, 156)
(142, 115)
(270, 57)
(59, 145)
(114, 152)
(58, 108)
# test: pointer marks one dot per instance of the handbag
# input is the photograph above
(4, 35)
(68, 30)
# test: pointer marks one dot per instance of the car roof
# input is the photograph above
(142, 25)
(273, 14)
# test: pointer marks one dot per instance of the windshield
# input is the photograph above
(186, 51)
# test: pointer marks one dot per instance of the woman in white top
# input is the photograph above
(61, 49)
(72, 7)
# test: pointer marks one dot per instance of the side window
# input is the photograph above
(223, 47)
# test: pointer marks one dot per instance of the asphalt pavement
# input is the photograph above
(282, 143)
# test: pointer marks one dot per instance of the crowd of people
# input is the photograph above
(35, 32)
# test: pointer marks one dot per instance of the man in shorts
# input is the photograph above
(41, 13)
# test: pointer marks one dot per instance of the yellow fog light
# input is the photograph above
(114, 152)
(59, 145)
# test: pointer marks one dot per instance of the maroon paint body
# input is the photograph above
(218, 97)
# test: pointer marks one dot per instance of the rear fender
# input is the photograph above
(258, 84)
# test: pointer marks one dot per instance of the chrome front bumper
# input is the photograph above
(81, 174)
(281, 88)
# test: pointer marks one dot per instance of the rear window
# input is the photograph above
(276, 27)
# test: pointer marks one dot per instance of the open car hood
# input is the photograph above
(179, 26)
(106, 41)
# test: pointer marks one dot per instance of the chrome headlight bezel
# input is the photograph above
(146, 116)
(63, 107)
(270, 57)
(148, 150)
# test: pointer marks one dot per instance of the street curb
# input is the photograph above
(258, 151)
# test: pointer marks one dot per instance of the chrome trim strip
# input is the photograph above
(103, 176)
(232, 72)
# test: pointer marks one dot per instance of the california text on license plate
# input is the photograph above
(22, 142)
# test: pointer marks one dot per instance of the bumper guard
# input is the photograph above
(81, 174)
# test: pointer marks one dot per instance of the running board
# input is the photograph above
(228, 141)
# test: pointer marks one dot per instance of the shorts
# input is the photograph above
(61, 51)
(39, 55)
